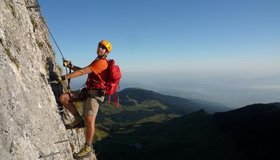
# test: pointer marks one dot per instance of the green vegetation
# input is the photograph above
(100, 134)
(147, 124)
(113, 118)
(180, 138)
(240, 134)
(139, 107)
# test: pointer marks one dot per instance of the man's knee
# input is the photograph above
(64, 98)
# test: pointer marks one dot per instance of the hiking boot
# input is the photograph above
(78, 123)
(84, 152)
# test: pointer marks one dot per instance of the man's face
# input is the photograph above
(101, 50)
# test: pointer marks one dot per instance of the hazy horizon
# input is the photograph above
(233, 91)
(229, 89)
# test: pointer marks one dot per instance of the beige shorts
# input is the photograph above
(91, 99)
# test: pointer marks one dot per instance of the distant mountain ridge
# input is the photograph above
(176, 103)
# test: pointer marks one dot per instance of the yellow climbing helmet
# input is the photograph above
(107, 44)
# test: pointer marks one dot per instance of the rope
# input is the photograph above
(69, 80)
(55, 42)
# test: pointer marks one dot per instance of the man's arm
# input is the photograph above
(75, 68)
(78, 72)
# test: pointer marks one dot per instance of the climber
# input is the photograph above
(97, 76)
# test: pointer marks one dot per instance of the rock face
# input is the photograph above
(30, 125)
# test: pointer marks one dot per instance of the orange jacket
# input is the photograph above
(99, 75)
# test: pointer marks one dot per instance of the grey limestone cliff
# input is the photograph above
(30, 125)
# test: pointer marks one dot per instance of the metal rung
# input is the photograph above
(59, 111)
(52, 154)
(61, 141)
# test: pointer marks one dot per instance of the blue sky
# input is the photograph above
(175, 40)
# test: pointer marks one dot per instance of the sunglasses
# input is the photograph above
(101, 46)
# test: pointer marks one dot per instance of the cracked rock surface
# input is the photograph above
(30, 125)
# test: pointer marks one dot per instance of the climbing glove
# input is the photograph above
(67, 63)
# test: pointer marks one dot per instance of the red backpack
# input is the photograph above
(112, 84)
